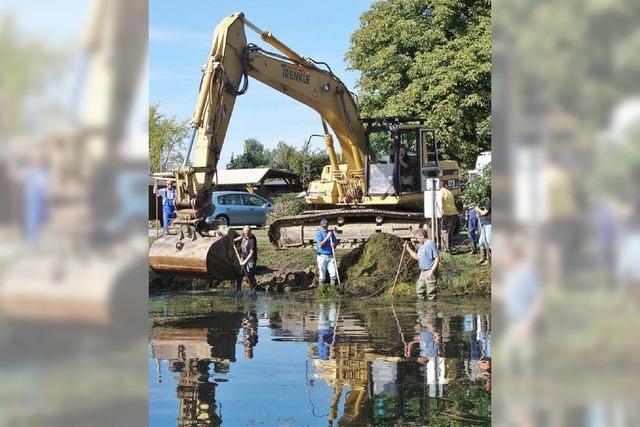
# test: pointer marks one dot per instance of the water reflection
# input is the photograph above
(310, 363)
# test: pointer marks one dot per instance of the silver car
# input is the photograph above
(239, 208)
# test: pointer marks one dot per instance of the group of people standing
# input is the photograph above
(478, 222)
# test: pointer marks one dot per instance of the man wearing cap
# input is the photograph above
(325, 239)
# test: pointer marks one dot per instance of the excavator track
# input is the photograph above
(353, 226)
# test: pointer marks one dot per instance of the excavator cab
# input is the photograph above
(402, 154)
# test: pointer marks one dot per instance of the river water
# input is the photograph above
(283, 361)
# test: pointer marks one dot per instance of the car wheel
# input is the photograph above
(223, 219)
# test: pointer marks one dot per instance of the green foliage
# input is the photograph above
(475, 191)
(303, 162)
(379, 143)
(253, 156)
(286, 205)
(28, 66)
(460, 276)
(374, 264)
(617, 172)
(284, 156)
(167, 138)
(585, 71)
(429, 58)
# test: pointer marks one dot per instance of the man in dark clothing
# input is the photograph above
(407, 169)
(473, 228)
(249, 334)
(248, 258)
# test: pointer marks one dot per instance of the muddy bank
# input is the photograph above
(369, 269)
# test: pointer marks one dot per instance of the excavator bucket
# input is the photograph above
(192, 254)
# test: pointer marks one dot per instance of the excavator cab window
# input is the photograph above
(380, 144)
(430, 167)
(381, 170)
(408, 156)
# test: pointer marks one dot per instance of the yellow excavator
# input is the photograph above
(362, 191)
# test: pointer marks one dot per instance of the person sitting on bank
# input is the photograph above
(449, 213)
(248, 258)
(326, 240)
(428, 261)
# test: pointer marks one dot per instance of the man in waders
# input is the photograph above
(168, 208)
(248, 258)
(428, 261)
(325, 239)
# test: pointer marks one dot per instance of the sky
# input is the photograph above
(180, 38)
(60, 25)
(58, 21)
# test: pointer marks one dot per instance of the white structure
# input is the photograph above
(483, 160)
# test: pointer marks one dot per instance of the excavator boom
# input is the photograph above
(356, 180)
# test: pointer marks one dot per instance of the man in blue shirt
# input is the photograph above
(428, 261)
(325, 239)
(168, 208)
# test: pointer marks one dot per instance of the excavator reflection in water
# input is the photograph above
(365, 190)
(190, 351)
(368, 383)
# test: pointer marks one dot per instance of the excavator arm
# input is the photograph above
(230, 64)
(194, 246)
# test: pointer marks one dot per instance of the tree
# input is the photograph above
(583, 72)
(477, 190)
(431, 59)
(309, 164)
(28, 68)
(253, 156)
(284, 156)
(167, 137)
(304, 163)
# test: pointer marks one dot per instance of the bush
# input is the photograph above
(286, 205)
(477, 190)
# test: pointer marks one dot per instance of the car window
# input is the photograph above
(230, 199)
(253, 200)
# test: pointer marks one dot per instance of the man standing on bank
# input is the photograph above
(449, 214)
(248, 259)
(325, 239)
(168, 196)
(428, 261)
(484, 216)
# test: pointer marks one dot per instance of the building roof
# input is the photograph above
(252, 176)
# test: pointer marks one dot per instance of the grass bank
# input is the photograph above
(363, 271)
